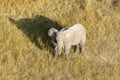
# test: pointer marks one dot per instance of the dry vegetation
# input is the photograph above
(26, 51)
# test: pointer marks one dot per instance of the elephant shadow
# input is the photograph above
(36, 29)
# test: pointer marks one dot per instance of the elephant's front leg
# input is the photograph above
(58, 49)
(67, 50)
(56, 52)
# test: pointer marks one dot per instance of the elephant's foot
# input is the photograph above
(82, 50)
(77, 52)
(67, 57)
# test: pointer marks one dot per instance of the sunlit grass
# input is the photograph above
(27, 54)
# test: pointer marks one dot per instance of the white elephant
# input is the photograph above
(66, 37)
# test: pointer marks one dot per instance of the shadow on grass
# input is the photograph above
(36, 29)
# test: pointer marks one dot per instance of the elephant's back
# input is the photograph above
(77, 27)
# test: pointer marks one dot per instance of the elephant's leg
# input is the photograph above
(58, 49)
(67, 50)
(82, 45)
(82, 48)
(77, 48)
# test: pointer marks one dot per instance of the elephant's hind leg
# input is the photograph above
(77, 49)
(82, 48)
(82, 45)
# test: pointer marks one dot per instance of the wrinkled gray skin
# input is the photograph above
(74, 35)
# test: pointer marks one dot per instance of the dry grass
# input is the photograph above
(26, 51)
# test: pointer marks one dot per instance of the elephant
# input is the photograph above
(52, 34)
(66, 37)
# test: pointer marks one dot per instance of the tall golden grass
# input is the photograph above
(27, 54)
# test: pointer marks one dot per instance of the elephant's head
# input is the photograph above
(52, 33)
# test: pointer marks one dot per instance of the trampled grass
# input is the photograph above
(26, 52)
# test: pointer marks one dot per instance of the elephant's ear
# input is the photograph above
(55, 30)
(51, 31)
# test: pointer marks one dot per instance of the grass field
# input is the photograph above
(26, 52)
